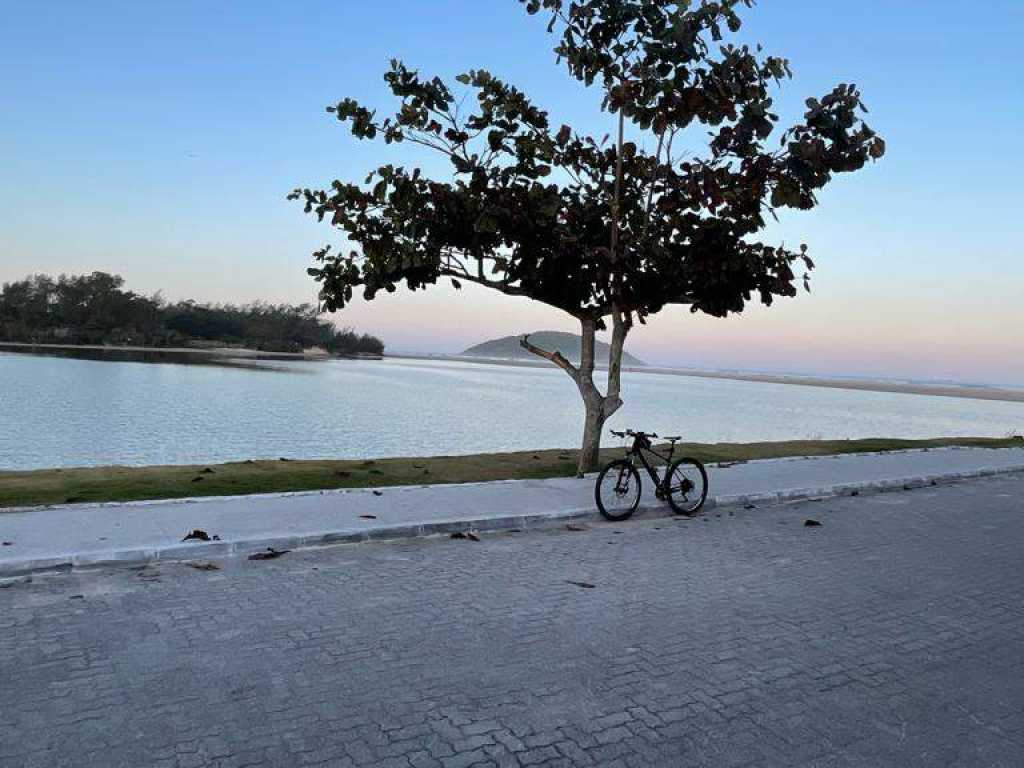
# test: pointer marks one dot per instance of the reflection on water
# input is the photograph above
(171, 356)
(57, 411)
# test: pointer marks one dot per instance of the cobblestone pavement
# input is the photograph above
(892, 635)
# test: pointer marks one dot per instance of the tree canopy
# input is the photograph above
(531, 204)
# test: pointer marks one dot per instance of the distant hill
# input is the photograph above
(568, 344)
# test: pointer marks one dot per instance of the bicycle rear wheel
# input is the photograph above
(618, 491)
(687, 484)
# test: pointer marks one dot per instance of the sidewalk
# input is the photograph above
(88, 534)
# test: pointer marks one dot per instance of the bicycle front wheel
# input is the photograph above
(618, 490)
(687, 485)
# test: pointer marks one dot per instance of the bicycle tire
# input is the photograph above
(622, 466)
(690, 507)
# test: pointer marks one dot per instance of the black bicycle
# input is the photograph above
(618, 490)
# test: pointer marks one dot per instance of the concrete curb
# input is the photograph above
(206, 550)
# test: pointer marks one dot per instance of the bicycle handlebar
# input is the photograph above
(631, 433)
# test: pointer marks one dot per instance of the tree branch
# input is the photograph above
(621, 324)
(555, 357)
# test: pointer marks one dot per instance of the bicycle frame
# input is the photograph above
(638, 449)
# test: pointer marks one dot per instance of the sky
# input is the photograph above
(159, 140)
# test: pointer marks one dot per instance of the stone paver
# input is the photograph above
(893, 635)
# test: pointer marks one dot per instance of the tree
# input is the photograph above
(609, 232)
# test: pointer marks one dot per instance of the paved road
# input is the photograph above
(893, 635)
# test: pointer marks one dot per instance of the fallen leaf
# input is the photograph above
(270, 554)
(581, 584)
(197, 535)
(809, 523)
(204, 566)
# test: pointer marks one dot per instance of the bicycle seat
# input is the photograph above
(673, 439)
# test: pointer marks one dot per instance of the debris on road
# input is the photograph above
(270, 554)
(465, 535)
(580, 584)
(200, 535)
(378, 493)
(811, 523)
(203, 566)
(148, 573)
(369, 517)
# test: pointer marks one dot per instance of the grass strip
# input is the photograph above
(96, 484)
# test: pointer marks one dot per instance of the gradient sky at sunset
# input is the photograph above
(158, 140)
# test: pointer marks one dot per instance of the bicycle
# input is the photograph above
(618, 489)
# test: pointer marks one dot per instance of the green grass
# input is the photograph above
(93, 484)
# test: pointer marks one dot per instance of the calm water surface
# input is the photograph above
(64, 412)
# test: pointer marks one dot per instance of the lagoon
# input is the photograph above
(67, 412)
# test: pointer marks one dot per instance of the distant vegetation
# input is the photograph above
(566, 343)
(96, 309)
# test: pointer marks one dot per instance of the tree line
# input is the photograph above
(96, 309)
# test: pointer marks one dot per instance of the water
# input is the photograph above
(64, 412)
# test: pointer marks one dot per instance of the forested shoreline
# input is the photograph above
(97, 309)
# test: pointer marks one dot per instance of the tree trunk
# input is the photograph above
(597, 407)
(593, 426)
